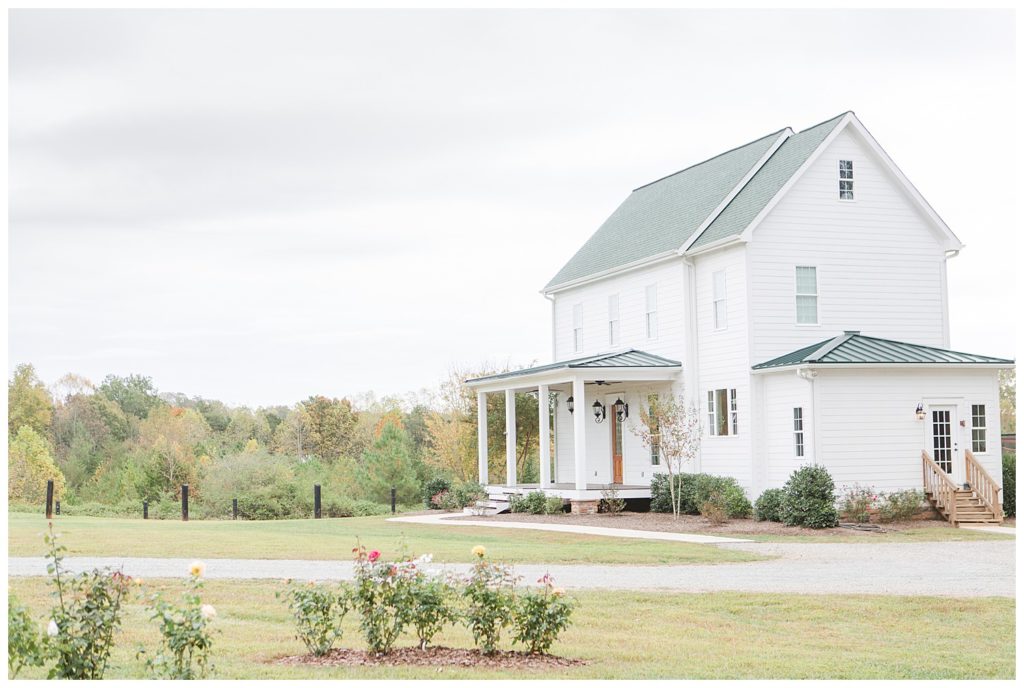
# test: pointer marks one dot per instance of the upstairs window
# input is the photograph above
(651, 313)
(846, 180)
(652, 402)
(806, 295)
(798, 430)
(613, 320)
(979, 439)
(723, 412)
(718, 299)
(577, 328)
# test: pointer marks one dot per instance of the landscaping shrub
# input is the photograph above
(714, 509)
(490, 601)
(432, 489)
(901, 505)
(768, 506)
(319, 610)
(1010, 484)
(185, 639)
(541, 615)
(463, 495)
(611, 502)
(25, 644)
(517, 504)
(431, 605)
(809, 499)
(857, 501)
(696, 487)
(554, 505)
(382, 597)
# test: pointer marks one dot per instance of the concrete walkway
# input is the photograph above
(949, 569)
(1002, 530)
(455, 520)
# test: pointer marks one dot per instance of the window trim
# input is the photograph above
(799, 444)
(983, 429)
(797, 295)
(577, 328)
(717, 298)
(731, 412)
(614, 326)
(850, 180)
(651, 311)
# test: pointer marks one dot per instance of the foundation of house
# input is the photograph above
(584, 506)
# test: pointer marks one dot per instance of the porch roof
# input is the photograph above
(631, 358)
(853, 348)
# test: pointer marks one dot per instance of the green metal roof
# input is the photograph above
(621, 359)
(661, 216)
(855, 348)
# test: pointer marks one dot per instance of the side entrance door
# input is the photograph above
(616, 445)
(945, 444)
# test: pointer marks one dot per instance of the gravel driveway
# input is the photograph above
(952, 569)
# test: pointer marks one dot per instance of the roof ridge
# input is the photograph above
(828, 347)
(830, 119)
(713, 157)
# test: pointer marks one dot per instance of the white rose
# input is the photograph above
(51, 629)
(207, 611)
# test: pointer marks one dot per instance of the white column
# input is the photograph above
(481, 436)
(579, 432)
(510, 438)
(544, 409)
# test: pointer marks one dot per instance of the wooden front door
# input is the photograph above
(616, 447)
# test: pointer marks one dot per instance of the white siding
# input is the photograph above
(879, 263)
(783, 392)
(631, 288)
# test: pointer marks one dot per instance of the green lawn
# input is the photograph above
(639, 635)
(335, 538)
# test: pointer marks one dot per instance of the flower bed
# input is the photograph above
(434, 657)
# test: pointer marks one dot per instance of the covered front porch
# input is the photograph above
(589, 399)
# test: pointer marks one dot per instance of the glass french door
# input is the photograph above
(945, 447)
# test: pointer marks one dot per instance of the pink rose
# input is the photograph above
(373, 556)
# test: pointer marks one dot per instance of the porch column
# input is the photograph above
(544, 408)
(481, 436)
(510, 438)
(579, 432)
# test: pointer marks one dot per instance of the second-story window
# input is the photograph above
(613, 320)
(718, 299)
(806, 295)
(846, 180)
(577, 327)
(651, 313)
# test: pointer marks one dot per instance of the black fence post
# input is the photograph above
(392, 500)
(56, 507)
(49, 499)
(234, 509)
(184, 502)
(316, 501)
(145, 509)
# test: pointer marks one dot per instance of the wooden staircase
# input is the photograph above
(978, 502)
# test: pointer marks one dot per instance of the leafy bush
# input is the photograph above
(714, 509)
(695, 489)
(768, 506)
(25, 645)
(857, 503)
(554, 505)
(432, 488)
(463, 495)
(809, 500)
(490, 599)
(611, 502)
(1010, 484)
(382, 597)
(431, 605)
(318, 611)
(517, 504)
(900, 506)
(185, 639)
(541, 615)
(88, 611)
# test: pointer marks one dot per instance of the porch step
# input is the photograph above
(969, 508)
(487, 507)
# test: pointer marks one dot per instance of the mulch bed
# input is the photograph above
(437, 657)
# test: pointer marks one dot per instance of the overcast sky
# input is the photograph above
(257, 206)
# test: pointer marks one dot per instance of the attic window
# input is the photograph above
(846, 180)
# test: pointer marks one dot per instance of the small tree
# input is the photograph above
(672, 427)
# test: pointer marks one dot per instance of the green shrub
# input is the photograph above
(490, 601)
(554, 505)
(540, 615)
(857, 503)
(382, 597)
(611, 502)
(25, 644)
(517, 504)
(463, 495)
(431, 605)
(768, 506)
(432, 489)
(1010, 484)
(318, 610)
(185, 639)
(809, 500)
(696, 488)
(901, 505)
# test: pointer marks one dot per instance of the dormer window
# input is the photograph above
(846, 180)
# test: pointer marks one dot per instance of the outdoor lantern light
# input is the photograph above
(920, 412)
(621, 410)
(570, 404)
(599, 412)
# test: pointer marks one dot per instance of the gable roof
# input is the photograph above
(631, 358)
(853, 348)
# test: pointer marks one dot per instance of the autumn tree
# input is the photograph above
(135, 394)
(28, 402)
(1008, 400)
(171, 442)
(671, 426)
(330, 423)
(29, 466)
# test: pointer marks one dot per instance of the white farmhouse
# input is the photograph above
(794, 289)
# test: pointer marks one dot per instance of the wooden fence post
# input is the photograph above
(316, 501)
(392, 500)
(184, 502)
(145, 509)
(234, 509)
(49, 499)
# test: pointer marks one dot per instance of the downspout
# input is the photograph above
(551, 298)
(945, 295)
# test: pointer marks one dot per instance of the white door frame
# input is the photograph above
(953, 406)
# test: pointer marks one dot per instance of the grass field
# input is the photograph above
(335, 538)
(638, 636)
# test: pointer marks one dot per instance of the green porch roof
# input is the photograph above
(631, 358)
(857, 349)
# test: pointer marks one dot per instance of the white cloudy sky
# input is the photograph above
(257, 206)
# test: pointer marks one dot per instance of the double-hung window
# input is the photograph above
(798, 430)
(652, 403)
(723, 412)
(613, 320)
(651, 312)
(718, 299)
(806, 295)
(979, 438)
(577, 327)
(846, 180)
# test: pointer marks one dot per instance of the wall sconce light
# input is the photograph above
(621, 410)
(570, 404)
(919, 412)
(599, 411)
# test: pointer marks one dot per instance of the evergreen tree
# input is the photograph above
(388, 463)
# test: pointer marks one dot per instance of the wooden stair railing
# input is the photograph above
(939, 486)
(984, 486)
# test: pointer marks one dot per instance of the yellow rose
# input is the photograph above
(479, 551)
(197, 569)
